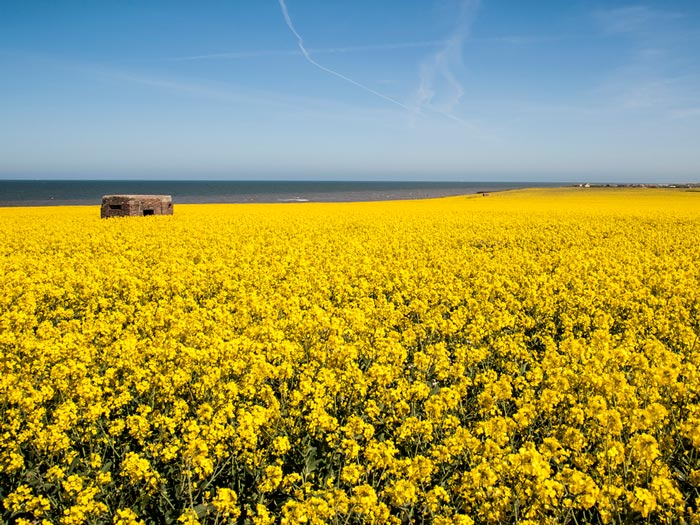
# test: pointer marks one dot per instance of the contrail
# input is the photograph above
(322, 50)
(309, 58)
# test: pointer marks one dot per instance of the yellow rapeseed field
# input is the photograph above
(527, 357)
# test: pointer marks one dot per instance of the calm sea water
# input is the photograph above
(90, 192)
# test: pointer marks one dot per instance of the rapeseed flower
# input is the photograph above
(527, 358)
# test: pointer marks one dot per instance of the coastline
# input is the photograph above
(89, 193)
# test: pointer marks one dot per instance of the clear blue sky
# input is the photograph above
(410, 89)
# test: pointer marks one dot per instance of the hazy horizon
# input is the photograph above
(443, 90)
(377, 178)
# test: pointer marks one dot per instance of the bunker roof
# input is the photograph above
(165, 197)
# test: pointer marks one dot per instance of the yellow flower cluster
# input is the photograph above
(527, 357)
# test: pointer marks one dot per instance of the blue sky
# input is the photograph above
(431, 90)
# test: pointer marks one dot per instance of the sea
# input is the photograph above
(90, 192)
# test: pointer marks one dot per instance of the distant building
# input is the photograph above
(136, 205)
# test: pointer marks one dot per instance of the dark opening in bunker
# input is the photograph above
(135, 205)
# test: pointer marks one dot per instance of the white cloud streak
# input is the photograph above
(310, 59)
(439, 89)
(683, 113)
(232, 55)
(632, 19)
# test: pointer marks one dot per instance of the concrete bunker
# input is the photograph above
(136, 205)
